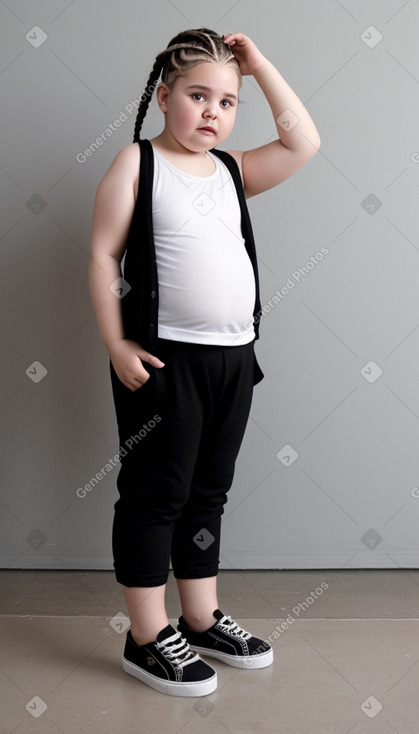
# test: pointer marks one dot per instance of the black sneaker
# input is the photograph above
(228, 642)
(168, 665)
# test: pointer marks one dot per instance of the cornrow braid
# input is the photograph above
(184, 51)
(146, 96)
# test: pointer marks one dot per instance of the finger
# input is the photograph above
(231, 38)
(140, 381)
(136, 383)
(151, 359)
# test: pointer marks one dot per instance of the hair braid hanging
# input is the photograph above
(146, 97)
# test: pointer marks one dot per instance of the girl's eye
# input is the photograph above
(198, 96)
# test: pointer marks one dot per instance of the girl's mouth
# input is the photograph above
(208, 130)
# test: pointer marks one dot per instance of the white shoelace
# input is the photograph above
(177, 651)
(228, 625)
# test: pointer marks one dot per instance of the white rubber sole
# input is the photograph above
(172, 688)
(251, 661)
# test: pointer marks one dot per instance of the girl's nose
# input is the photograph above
(210, 111)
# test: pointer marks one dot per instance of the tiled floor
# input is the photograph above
(346, 656)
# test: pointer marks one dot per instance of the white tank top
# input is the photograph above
(205, 276)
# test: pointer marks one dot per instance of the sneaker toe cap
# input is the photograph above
(257, 646)
(197, 671)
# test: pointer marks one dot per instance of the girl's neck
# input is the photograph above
(166, 143)
(198, 163)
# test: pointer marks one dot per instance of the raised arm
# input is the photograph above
(298, 140)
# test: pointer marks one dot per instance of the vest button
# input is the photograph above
(153, 294)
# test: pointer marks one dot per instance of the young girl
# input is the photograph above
(180, 327)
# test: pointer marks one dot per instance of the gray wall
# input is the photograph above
(328, 473)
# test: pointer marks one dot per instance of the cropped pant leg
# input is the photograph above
(179, 435)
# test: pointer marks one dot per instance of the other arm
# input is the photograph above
(112, 215)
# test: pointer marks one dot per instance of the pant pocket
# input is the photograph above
(257, 372)
(134, 406)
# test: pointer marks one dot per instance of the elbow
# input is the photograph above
(315, 144)
(311, 145)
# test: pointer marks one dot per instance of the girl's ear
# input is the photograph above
(162, 93)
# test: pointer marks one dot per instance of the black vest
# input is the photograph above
(141, 303)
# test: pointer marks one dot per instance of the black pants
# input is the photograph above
(179, 438)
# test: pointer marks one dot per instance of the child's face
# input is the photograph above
(189, 108)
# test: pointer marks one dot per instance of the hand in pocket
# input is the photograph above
(127, 358)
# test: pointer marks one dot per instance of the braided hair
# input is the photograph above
(183, 52)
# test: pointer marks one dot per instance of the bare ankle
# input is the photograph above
(147, 612)
(199, 601)
(200, 622)
(145, 635)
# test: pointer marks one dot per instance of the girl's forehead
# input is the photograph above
(212, 73)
